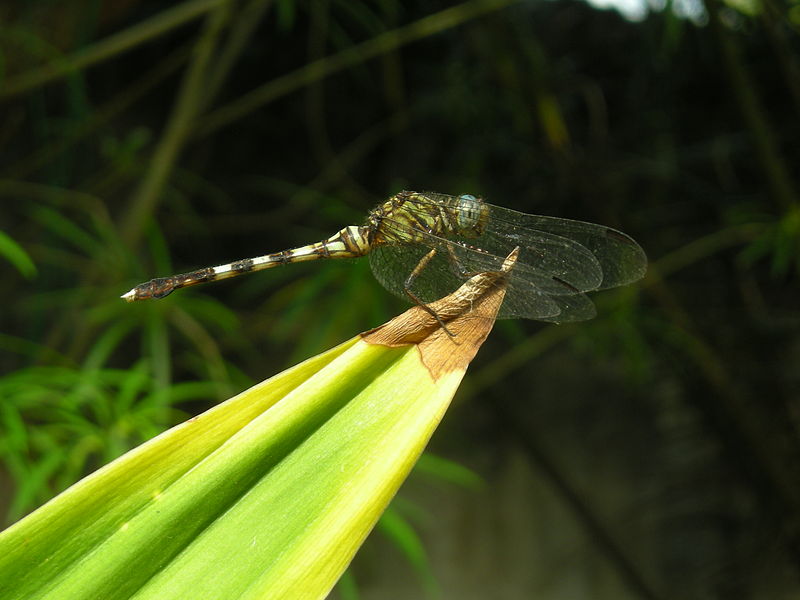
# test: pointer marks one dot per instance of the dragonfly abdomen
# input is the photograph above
(350, 242)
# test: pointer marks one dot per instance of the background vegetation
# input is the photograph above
(650, 453)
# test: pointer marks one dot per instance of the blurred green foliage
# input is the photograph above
(140, 139)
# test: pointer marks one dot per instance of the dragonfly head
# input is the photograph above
(473, 213)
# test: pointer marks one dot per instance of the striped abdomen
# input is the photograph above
(350, 242)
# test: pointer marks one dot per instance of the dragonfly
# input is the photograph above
(424, 245)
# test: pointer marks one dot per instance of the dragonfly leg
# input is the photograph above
(416, 300)
(457, 263)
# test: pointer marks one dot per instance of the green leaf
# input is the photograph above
(288, 478)
(13, 253)
(447, 470)
(404, 537)
(269, 494)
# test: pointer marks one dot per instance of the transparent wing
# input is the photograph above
(620, 259)
(534, 292)
(559, 260)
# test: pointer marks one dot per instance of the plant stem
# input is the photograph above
(381, 44)
(188, 104)
(106, 49)
(744, 89)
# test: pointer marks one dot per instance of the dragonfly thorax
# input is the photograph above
(412, 217)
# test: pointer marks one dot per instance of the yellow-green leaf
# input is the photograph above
(268, 495)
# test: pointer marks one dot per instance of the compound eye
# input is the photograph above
(470, 215)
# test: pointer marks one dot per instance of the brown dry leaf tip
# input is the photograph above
(469, 314)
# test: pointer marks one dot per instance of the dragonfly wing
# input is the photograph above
(535, 292)
(554, 255)
(620, 258)
(524, 302)
(531, 294)
(559, 260)
(553, 263)
(393, 263)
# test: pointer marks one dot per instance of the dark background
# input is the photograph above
(649, 453)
